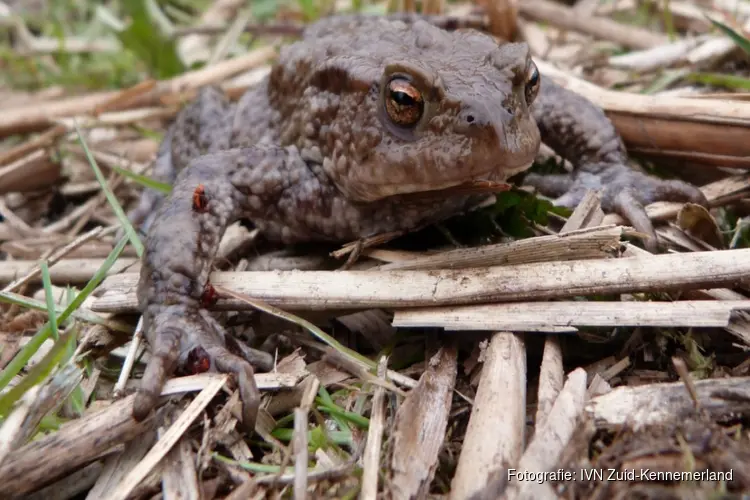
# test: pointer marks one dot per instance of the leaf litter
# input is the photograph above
(374, 397)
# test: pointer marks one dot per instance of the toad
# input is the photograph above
(354, 122)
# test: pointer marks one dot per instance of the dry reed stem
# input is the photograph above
(315, 290)
(599, 27)
(545, 448)
(168, 440)
(495, 435)
(565, 316)
(420, 425)
(654, 404)
(373, 448)
(30, 118)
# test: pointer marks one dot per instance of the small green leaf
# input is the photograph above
(318, 439)
(516, 210)
(506, 200)
(254, 466)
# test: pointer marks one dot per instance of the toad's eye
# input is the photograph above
(532, 83)
(403, 102)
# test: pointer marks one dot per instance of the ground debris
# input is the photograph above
(515, 337)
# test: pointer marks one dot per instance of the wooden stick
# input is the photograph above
(564, 316)
(551, 372)
(599, 27)
(168, 440)
(595, 242)
(371, 457)
(30, 173)
(42, 141)
(654, 404)
(419, 430)
(316, 290)
(54, 455)
(495, 435)
(33, 117)
(65, 271)
(548, 443)
(34, 272)
(551, 378)
(78, 442)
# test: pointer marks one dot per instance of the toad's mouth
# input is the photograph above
(489, 183)
(464, 189)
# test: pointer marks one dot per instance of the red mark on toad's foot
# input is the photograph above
(197, 361)
(209, 296)
(200, 200)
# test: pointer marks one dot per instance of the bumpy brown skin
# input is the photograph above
(312, 154)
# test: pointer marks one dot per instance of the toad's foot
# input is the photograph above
(624, 191)
(191, 341)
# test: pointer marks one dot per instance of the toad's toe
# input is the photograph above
(192, 342)
(161, 365)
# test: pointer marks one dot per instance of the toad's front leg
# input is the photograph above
(579, 131)
(211, 193)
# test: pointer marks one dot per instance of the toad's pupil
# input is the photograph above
(402, 98)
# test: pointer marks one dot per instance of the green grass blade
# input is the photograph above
(314, 330)
(720, 80)
(119, 212)
(737, 38)
(23, 356)
(143, 180)
(325, 398)
(37, 374)
(663, 81)
(355, 418)
(87, 316)
(50, 299)
(252, 466)
(337, 437)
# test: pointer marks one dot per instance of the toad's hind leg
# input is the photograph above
(204, 126)
(163, 171)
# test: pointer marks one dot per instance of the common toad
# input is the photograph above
(353, 121)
